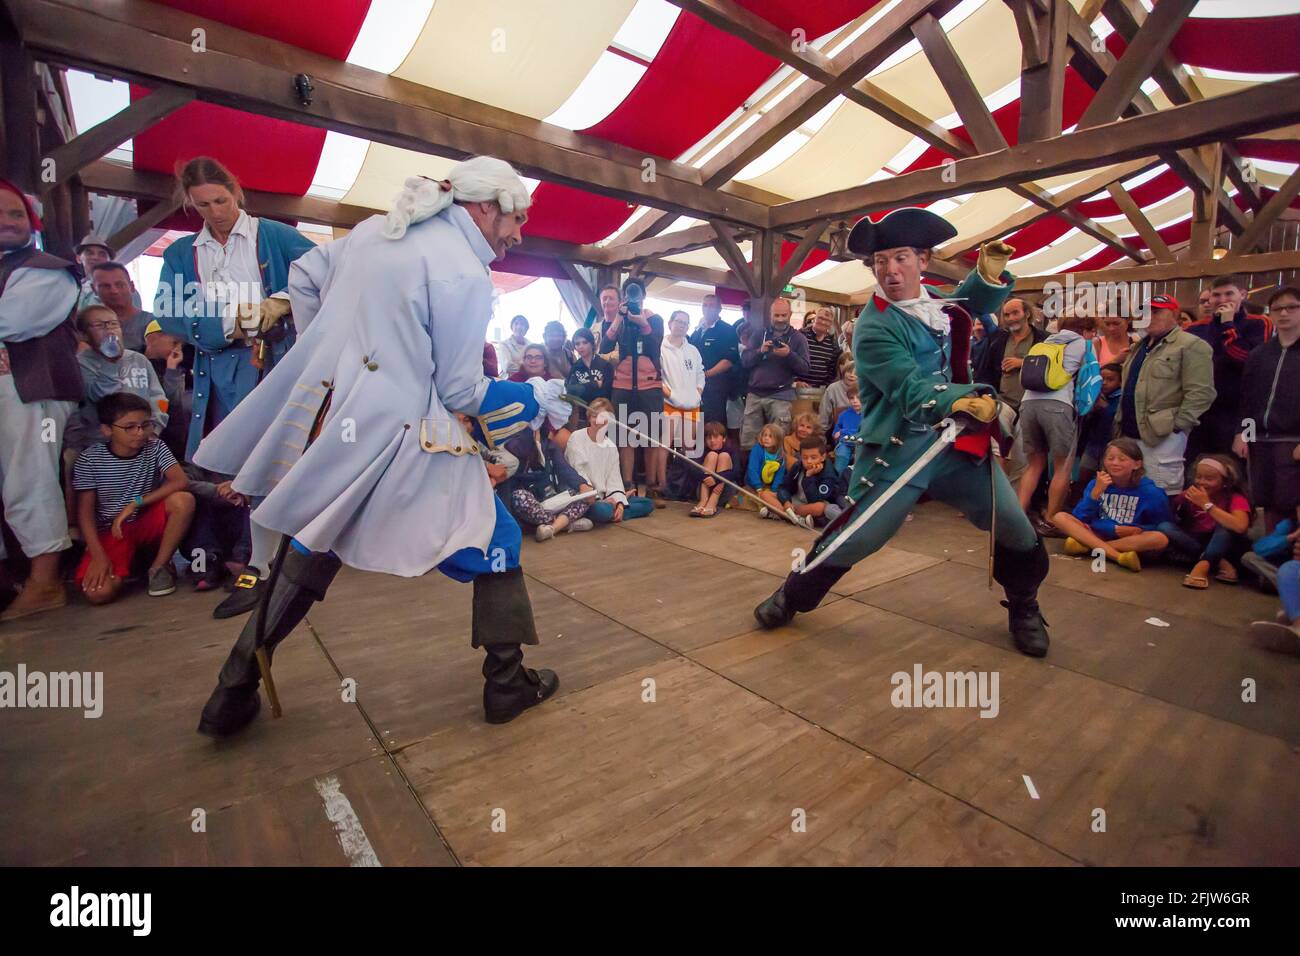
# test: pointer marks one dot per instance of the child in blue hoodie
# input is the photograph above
(766, 471)
(1120, 510)
(846, 426)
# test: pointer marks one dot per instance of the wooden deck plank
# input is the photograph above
(742, 537)
(417, 674)
(1197, 662)
(159, 658)
(1084, 742)
(676, 596)
(284, 827)
(640, 783)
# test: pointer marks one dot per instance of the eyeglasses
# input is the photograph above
(135, 429)
(102, 326)
(1288, 309)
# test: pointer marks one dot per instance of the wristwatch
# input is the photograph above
(1207, 506)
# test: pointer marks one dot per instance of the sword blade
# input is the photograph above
(951, 430)
(691, 461)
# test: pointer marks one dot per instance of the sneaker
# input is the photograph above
(1264, 571)
(162, 581)
(581, 524)
(545, 532)
(1129, 560)
(1046, 529)
(1075, 549)
(1276, 636)
(763, 512)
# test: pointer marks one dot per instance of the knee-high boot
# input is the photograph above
(503, 621)
(303, 580)
(800, 593)
(1020, 573)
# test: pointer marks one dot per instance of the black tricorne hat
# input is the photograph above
(908, 226)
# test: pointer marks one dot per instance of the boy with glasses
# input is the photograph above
(131, 494)
(108, 366)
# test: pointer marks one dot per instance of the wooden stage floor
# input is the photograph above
(746, 729)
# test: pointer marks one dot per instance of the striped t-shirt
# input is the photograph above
(823, 357)
(117, 481)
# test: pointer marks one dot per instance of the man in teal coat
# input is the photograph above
(912, 353)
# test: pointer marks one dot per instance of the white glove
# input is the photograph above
(551, 408)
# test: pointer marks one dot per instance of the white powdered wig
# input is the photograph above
(481, 179)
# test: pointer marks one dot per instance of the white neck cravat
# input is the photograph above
(926, 308)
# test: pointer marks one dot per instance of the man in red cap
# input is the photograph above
(1168, 385)
(40, 385)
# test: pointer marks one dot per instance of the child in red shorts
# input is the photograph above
(130, 495)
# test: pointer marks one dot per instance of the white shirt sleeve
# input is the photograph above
(35, 301)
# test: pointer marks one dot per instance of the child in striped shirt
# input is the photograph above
(130, 496)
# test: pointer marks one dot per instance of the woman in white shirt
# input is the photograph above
(683, 384)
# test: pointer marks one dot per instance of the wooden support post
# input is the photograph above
(1205, 206)
(80, 210)
(19, 136)
(1044, 53)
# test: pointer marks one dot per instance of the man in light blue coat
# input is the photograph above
(355, 439)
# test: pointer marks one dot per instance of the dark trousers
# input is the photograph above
(713, 403)
(221, 529)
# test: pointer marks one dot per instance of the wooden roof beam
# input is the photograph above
(151, 44)
(1258, 108)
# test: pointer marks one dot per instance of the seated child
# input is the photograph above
(1212, 519)
(812, 488)
(107, 367)
(846, 426)
(719, 457)
(803, 426)
(220, 541)
(766, 471)
(1284, 633)
(592, 454)
(130, 495)
(836, 397)
(1120, 512)
(540, 473)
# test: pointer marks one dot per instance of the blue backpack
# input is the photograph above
(1087, 381)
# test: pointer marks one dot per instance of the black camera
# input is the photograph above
(633, 295)
(777, 339)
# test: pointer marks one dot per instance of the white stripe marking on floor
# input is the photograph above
(351, 836)
(1029, 785)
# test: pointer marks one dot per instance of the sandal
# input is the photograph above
(1227, 574)
(709, 513)
(1198, 581)
(697, 512)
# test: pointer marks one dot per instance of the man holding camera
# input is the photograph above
(776, 362)
(638, 379)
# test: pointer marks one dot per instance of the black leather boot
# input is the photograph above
(243, 597)
(303, 581)
(503, 621)
(1020, 573)
(800, 593)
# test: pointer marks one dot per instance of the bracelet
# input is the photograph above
(138, 501)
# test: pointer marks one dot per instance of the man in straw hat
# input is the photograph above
(912, 353)
(354, 438)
